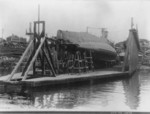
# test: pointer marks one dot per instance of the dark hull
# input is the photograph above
(103, 59)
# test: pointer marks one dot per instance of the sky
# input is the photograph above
(76, 15)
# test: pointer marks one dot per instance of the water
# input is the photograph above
(129, 94)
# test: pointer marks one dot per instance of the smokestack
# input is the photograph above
(104, 33)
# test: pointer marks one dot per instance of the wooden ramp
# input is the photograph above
(65, 78)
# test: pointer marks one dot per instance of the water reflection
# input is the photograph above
(144, 77)
(71, 97)
(132, 90)
(124, 94)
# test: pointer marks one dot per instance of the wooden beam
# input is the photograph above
(20, 61)
(30, 58)
(43, 60)
(34, 45)
(33, 58)
(49, 62)
(50, 56)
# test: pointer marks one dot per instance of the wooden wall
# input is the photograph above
(131, 54)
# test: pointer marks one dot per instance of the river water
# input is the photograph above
(128, 94)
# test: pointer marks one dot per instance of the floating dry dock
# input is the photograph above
(39, 58)
(64, 78)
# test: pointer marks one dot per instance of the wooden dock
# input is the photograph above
(64, 78)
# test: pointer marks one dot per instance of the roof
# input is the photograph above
(85, 40)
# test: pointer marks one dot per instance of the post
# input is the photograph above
(34, 58)
(43, 61)
(38, 20)
(34, 46)
(132, 24)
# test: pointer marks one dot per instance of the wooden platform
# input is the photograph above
(64, 78)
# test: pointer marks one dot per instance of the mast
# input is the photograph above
(38, 19)
(132, 24)
(137, 28)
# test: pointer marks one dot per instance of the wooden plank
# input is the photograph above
(34, 57)
(63, 79)
(49, 62)
(50, 56)
(20, 61)
(43, 61)
(30, 58)
(68, 78)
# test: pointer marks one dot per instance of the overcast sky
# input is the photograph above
(76, 15)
